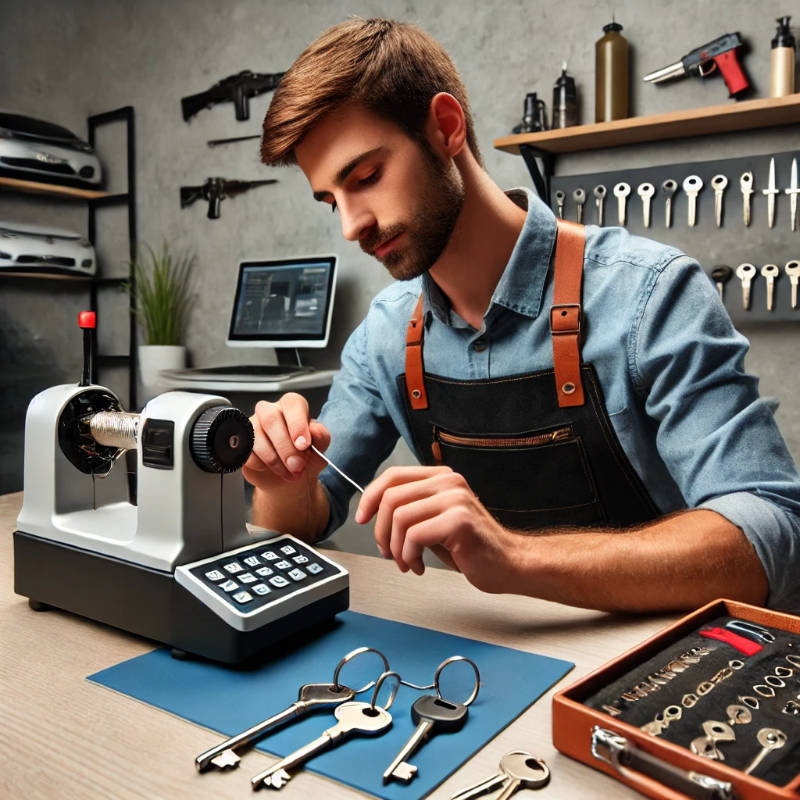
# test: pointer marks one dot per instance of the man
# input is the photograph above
(608, 412)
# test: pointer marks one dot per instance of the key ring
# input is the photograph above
(452, 660)
(349, 657)
(383, 676)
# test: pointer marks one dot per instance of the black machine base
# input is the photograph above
(146, 601)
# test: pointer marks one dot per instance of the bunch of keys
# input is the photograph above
(518, 770)
(366, 719)
(432, 714)
(311, 697)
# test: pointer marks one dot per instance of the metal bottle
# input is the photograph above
(565, 100)
(611, 75)
(782, 60)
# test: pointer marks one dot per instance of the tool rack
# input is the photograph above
(733, 243)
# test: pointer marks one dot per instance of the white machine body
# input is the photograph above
(183, 513)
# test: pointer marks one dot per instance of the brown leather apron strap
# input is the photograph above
(415, 372)
(565, 313)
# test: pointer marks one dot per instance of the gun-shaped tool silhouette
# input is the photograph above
(237, 88)
(215, 190)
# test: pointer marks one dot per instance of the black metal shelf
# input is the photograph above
(94, 199)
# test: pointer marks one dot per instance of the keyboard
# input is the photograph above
(240, 372)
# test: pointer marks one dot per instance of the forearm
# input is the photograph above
(301, 509)
(677, 562)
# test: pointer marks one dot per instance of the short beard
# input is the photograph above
(431, 225)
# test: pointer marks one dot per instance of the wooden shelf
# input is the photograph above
(52, 189)
(742, 116)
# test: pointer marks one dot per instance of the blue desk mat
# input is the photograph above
(230, 699)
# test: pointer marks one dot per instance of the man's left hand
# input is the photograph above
(419, 507)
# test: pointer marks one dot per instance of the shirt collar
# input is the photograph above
(521, 285)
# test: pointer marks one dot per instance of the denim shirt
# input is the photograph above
(668, 359)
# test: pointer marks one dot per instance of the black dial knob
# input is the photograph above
(221, 440)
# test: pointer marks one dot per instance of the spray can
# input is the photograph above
(782, 60)
(565, 100)
(611, 75)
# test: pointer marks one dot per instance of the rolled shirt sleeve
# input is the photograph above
(717, 436)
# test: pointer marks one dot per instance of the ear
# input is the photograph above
(447, 125)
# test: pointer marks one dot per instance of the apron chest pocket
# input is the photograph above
(531, 471)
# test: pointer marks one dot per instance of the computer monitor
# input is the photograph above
(283, 303)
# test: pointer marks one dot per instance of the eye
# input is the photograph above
(368, 180)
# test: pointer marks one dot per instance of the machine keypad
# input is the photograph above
(245, 581)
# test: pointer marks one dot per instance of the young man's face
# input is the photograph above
(395, 197)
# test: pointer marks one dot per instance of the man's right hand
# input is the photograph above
(284, 470)
(283, 434)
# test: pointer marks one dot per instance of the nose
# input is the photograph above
(356, 219)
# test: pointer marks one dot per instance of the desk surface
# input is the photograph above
(67, 737)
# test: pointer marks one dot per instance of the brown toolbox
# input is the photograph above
(707, 708)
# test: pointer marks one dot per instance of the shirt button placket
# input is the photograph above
(479, 358)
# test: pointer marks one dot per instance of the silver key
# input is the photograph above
(561, 196)
(431, 714)
(721, 275)
(600, 193)
(353, 718)
(579, 196)
(621, 192)
(518, 770)
(646, 192)
(770, 272)
(745, 273)
(792, 269)
(770, 739)
(746, 186)
(692, 186)
(718, 183)
(669, 187)
(310, 696)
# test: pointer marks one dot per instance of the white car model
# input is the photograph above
(33, 248)
(38, 150)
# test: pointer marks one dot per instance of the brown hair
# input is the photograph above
(391, 68)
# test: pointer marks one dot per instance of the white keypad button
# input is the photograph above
(229, 586)
(287, 550)
(252, 561)
(264, 572)
(283, 565)
(297, 575)
(215, 575)
(260, 588)
(301, 559)
(233, 567)
(279, 581)
(270, 556)
(247, 577)
(314, 569)
(243, 597)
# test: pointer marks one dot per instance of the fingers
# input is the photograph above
(283, 433)
(407, 497)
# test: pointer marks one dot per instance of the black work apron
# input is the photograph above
(537, 449)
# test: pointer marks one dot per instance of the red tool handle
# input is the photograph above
(740, 643)
(732, 72)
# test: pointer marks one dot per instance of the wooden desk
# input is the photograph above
(68, 738)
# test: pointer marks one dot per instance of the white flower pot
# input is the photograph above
(152, 359)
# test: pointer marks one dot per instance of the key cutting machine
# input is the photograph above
(179, 565)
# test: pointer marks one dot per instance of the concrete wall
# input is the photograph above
(65, 60)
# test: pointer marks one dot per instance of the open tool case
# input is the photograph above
(681, 714)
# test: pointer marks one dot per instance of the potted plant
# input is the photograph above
(162, 292)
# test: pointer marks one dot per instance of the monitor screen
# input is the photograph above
(283, 302)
